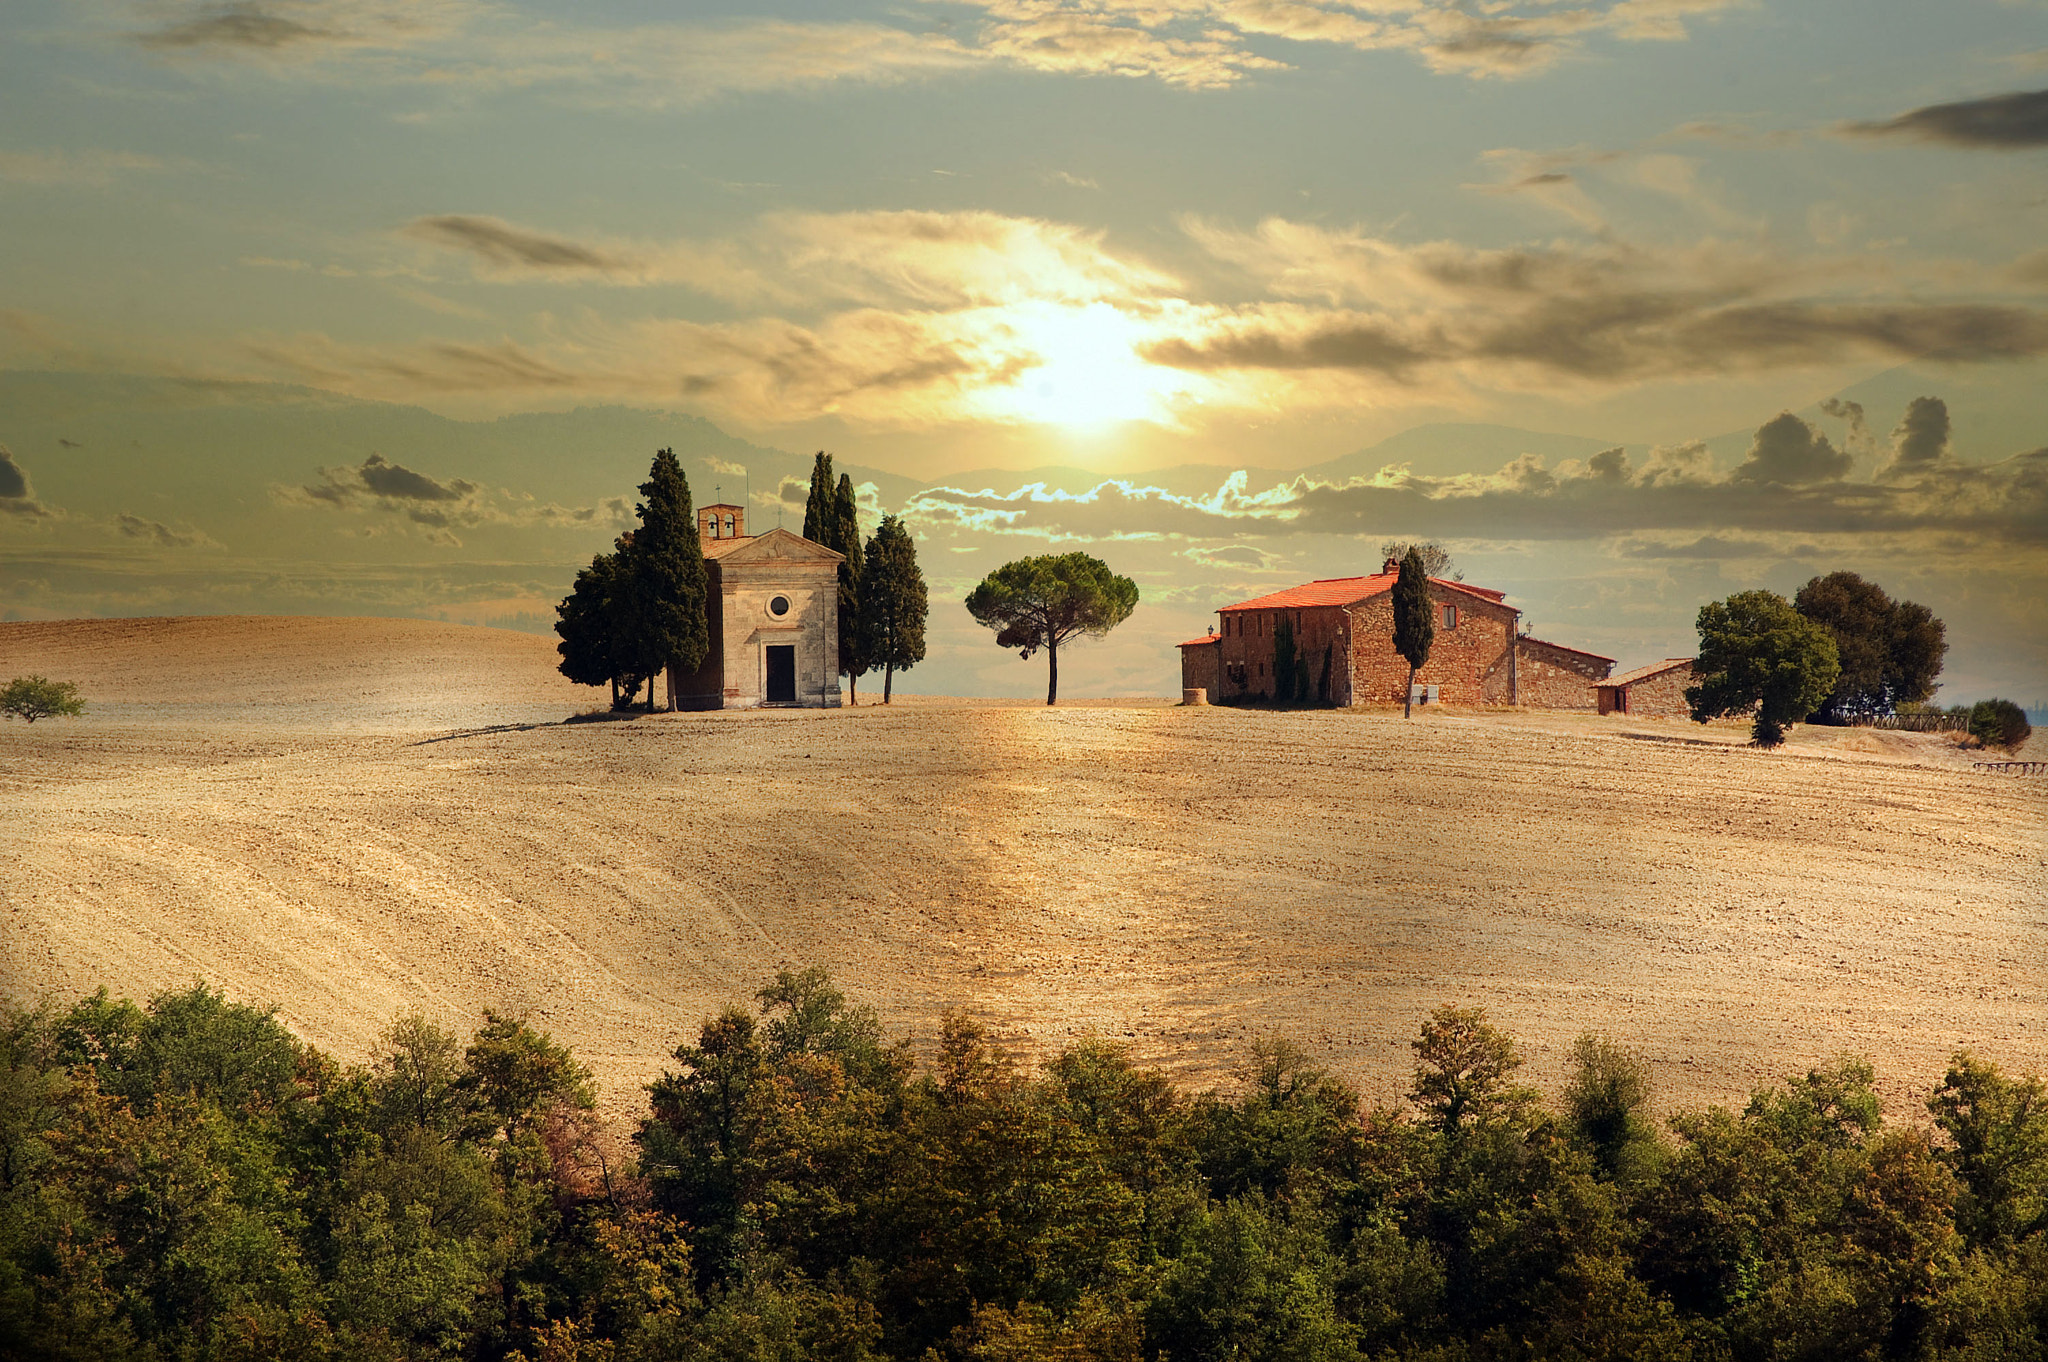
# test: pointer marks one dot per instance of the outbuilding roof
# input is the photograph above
(1564, 648)
(1198, 642)
(1350, 590)
(1645, 673)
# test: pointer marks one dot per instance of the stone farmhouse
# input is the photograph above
(1656, 691)
(772, 602)
(1344, 628)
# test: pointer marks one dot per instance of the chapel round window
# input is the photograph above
(779, 606)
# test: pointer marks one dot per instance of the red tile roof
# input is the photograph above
(1197, 642)
(1349, 591)
(1644, 673)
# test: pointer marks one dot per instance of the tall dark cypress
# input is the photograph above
(668, 577)
(819, 511)
(1414, 622)
(853, 658)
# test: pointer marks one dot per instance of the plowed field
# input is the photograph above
(352, 818)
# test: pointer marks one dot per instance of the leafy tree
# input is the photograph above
(1758, 653)
(1999, 723)
(666, 562)
(1463, 1064)
(1436, 559)
(1890, 651)
(595, 624)
(36, 697)
(1414, 621)
(516, 1075)
(1998, 1128)
(893, 603)
(1606, 1103)
(1036, 603)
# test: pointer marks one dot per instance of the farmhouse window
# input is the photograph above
(1450, 617)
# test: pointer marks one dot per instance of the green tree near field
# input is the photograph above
(1999, 723)
(642, 607)
(1890, 651)
(832, 518)
(893, 603)
(1036, 603)
(1758, 654)
(1414, 621)
(670, 629)
(1290, 672)
(595, 624)
(37, 697)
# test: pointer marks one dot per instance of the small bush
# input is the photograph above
(38, 697)
(1999, 723)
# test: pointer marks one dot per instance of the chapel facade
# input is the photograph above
(772, 604)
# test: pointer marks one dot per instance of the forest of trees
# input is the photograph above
(187, 1180)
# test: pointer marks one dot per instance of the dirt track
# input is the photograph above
(292, 810)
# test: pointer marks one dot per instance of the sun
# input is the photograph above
(1089, 375)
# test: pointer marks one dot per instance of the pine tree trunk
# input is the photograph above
(888, 681)
(1408, 696)
(1052, 658)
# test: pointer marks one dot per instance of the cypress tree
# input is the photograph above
(819, 510)
(853, 656)
(667, 563)
(893, 603)
(1414, 622)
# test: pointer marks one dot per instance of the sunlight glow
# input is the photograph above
(1089, 375)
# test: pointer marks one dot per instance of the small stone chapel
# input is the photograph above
(772, 603)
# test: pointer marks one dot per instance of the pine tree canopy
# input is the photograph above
(1036, 603)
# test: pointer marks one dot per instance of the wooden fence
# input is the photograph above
(1917, 723)
(2013, 768)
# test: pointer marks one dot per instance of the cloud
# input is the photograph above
(1792, 453)
(1998, 122)
(17, 498)
(1194, 44)
(161, 535)
(726, 466)
(437, 507)
(502, 244)
(1920, 442)
(1707, 546)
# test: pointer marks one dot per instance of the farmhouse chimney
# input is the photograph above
(1392, 565)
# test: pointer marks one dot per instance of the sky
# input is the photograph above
(360, 306)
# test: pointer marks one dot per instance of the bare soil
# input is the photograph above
(355, 818)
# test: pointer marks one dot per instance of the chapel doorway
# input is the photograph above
(781, 674)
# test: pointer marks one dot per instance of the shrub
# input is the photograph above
(1999, 723)
(38, 697)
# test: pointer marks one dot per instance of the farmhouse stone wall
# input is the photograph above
(1552, 677)
(1468, 662)
(1245, 660)
(1201, 664)
(1661, 696)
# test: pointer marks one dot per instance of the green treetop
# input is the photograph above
(1758, 653)
(1038, 603)
(893, 603)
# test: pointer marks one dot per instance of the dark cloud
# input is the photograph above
(243, 26)
(1920, 443)
(1791, 453)
(13, 478)
(69, 444)
(17, 498)
(2000, 122)
(1857, 440)
(1617, 336)
(1707, 546)
(393, 480)
(508, 246)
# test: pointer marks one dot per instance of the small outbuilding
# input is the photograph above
(1653, 692)
(772, 603)
(1201, 664)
